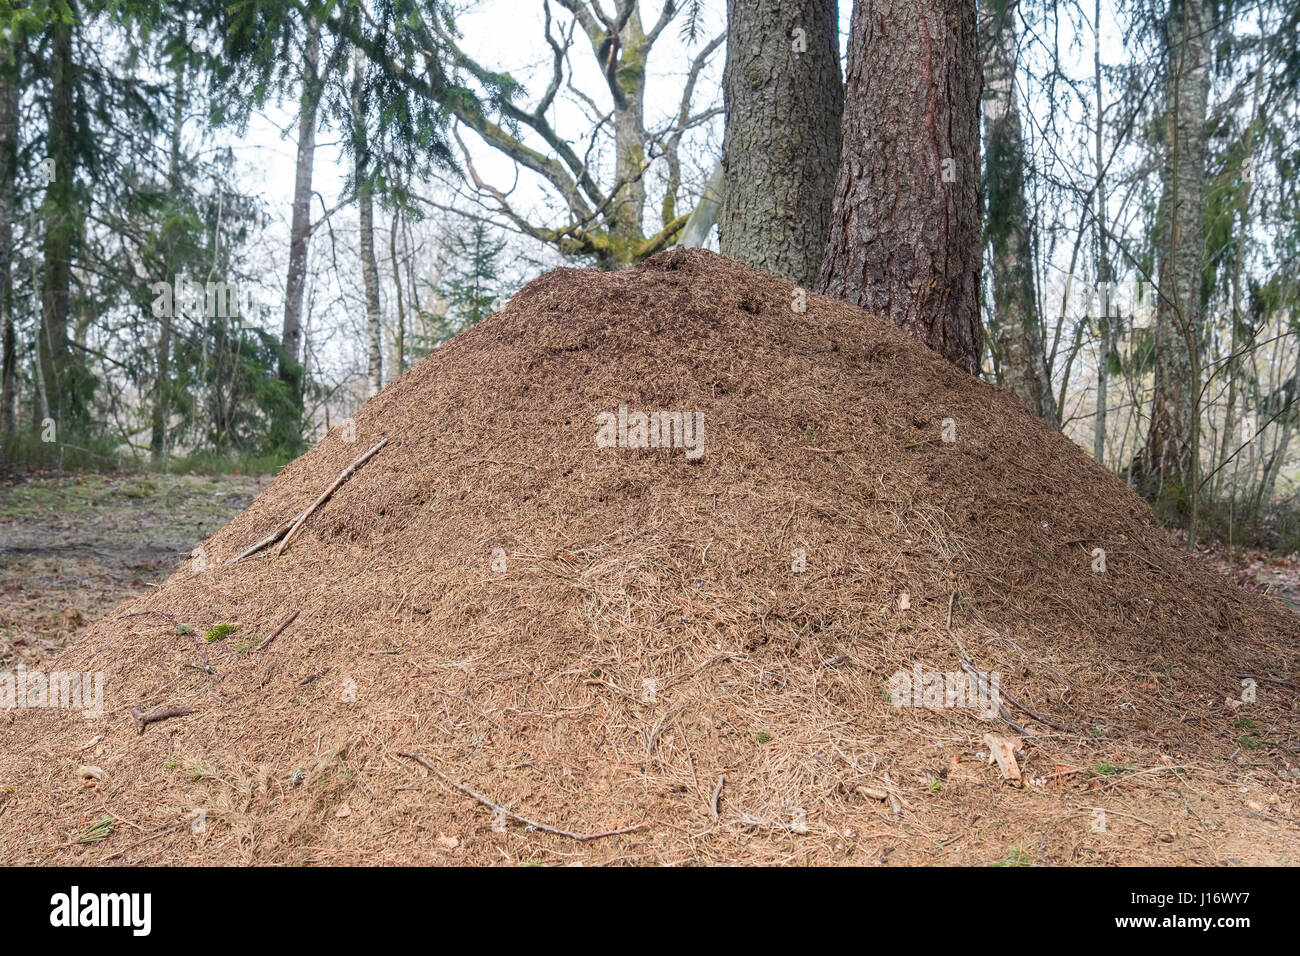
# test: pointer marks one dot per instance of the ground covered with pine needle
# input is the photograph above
(496, 629)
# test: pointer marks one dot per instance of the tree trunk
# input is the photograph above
(1106, 324)
(1232, 365)
(629, 146)
(290, 370)
(1017, 336)
(1168, 457)
(705, 214)
(905, 223)
(399, 339)
(783, 98)
(8, 170)
(62, 388)
(163, 351)
(366, 205)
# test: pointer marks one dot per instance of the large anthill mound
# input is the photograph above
(700, 647)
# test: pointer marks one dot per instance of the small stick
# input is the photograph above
(154, 836)
(1271, 680)
(979, 675)
(497, 808)
(893, 798)
(143, 720)
(269, 539)
(717, 795)
(985, 681)
(289, 619)
(343, 476)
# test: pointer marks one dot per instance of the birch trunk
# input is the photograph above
(290, 370)
(1168, 458)
(366, 205)
(1017, 336)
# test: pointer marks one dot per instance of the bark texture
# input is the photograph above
(366, 214)
(290, 370)
(905, 226)
(163, 346)
(1016, 336)
(1167, 457)
(784, 98)
(8, 168)
(62, 398)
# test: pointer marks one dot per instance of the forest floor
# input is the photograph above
(75, 546)
(1265, 571)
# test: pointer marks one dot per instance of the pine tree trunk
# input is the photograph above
(63, 393)
(1016, 330)
(290, 370)
(366, 206)
(8, 168)
(1168, 456)
(163, 350)
(905, 223)
(784, 99)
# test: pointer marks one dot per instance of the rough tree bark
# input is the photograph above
(62, 393)
(1016, 336)
(163, 347)
(366, 207)
(905, 224)
(8, 169)
(783, 98)
(1168, 457)
(290, 370)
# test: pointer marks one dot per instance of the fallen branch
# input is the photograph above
(143, 720)
(289, 619)
(270, 539)
(497, 808)
(343, 476)
(969, 666)
(984, 681)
